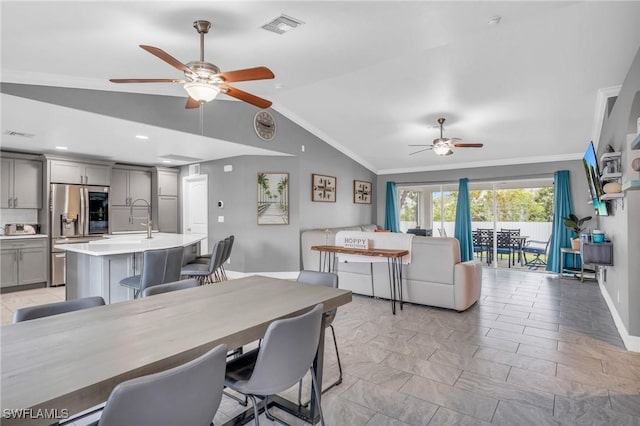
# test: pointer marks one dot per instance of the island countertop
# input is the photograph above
(131, 243)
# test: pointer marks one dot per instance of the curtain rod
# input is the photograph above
(449, 182)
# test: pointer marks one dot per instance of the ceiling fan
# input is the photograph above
(443, 146)
(203, 79)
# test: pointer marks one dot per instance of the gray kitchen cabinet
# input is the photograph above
(23, 261)
(21, 185)
(167, 183)
(74, 172)
(165, 199)
(127, 185)
(8, 268)
(121, 220)
(167, 214)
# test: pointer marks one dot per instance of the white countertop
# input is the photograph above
(131, 243)
(22, 237)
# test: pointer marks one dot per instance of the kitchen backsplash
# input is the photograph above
(18, 216)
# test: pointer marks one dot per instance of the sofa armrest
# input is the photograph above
(467, 282)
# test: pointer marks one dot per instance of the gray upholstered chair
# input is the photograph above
(166, 288)
(328, 280)
(41, 311)
(283, 358)
(189, 394)
(203, 272)
(158, 267)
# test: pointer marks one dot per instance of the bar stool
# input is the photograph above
(158, 267)
(203, 272)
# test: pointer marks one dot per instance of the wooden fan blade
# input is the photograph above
(192, 103)
(257, 73)
(166, 57)
(244, 96)
(145, 80)
(422, 150)
(468, 145)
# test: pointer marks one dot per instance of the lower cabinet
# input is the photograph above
(23, 262)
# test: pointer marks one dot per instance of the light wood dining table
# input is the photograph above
(73, 361)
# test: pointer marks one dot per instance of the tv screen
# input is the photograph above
(592, 170)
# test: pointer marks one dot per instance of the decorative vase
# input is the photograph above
(575, 244)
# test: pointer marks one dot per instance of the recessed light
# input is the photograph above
(494, 20)
(166, 161)
(62, 148)
(143, 137)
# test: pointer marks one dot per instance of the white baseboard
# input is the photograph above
(292, 275)
(632, 343)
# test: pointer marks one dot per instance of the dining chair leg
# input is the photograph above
(244, 402)
(270, 416)
(256, 412)
(316, 392)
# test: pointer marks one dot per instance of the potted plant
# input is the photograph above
(575, 224)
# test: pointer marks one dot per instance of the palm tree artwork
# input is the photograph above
(273, 198)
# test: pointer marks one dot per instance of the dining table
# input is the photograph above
(55, 367)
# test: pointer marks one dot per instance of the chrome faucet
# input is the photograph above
(148, 223)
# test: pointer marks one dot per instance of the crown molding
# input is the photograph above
(490, 163)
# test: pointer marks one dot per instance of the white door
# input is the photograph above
(194, 208)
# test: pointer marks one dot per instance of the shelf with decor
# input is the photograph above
(611, 176)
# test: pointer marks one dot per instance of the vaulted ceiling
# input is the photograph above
(370, 78)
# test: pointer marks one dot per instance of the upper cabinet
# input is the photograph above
(74, 172)
(21, 185)
(128, 185)
(167, 182)
(165, 199)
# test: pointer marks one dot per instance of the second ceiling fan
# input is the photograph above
(444, 146)
(204, 80)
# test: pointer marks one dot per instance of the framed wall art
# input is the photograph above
(361, 192)
(323, 188)
(273, 198)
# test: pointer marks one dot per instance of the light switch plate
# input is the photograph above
(220, 219)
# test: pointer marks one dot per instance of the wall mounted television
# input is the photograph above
(590, 163)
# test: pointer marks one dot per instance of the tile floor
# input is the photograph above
(535, 350)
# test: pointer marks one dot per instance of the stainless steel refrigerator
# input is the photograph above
(79, 214)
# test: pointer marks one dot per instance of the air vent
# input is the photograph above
(282, 24)
(182, 158)
(19, 134)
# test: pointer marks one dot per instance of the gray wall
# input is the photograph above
(276, 248)
(623, 227)
(579, 188)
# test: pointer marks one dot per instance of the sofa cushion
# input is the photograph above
(433, 259)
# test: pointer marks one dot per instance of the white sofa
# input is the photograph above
(435, 276)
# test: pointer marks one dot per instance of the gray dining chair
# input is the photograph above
(282, 360)
(49, 309)
(158, 267)
(326, 279)
(205, 272)
(188, 394)
(166, 288)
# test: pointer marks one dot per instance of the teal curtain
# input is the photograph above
(562, 207)
(391, 219)
(463, 231)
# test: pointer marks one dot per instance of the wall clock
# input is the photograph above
(264, 125)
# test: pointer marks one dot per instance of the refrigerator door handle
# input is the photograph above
(84, 223)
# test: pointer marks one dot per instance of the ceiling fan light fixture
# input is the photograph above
(442, 149)
(201, 92)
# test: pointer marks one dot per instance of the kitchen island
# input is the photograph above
(96, 268)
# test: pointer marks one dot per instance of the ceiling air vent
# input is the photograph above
(282, 24)
(19, 134)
